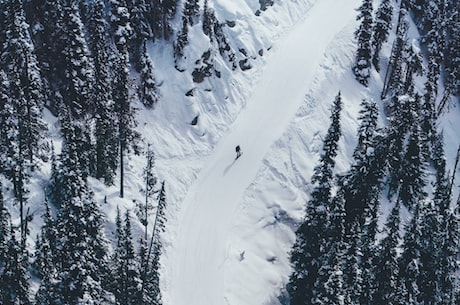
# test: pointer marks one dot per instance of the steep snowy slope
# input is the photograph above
(201, 263)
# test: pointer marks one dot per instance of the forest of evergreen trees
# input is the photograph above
(74, 58)
(341, 255)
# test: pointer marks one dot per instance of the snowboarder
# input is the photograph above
(238, 151)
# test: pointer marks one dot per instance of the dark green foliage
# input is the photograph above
(148, 92)
(161, 13)
(125, 269)
(308, 253)
(79, 67)
(106, 145)
(386, 264)
(15, 277)
(382, 27)
(363, 35)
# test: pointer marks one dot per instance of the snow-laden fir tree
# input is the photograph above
(45, 259)
(386, 263)
(150, 270)
(105, 130)
(161, 13)
(363, 35)
(15, 288)
(127, 136)
(148, 92)
(308, 253)
(5, 227)
(409, 261)
(79, 68)
(381, 30)
(125, 269)
(362, 184)
(81, 261)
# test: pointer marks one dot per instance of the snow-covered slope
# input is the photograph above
(205, 264)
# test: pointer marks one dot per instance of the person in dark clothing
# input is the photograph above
(238, 151)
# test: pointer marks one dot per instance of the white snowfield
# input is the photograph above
(199, 252)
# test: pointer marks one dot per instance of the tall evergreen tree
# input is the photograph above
(80, 247)
(126, 269)
(105, 132)
(150, 270)
(15, 287)
(409, 261)
(127, 136)
(45, 260)
(79, 68)
(381, 30)
(161, 14)
(5, 226)
(363, 35)
(386, 265)
(148, 91)
(307, 255)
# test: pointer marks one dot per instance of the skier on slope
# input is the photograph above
(238, 151)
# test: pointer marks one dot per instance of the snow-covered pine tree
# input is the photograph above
(150, 273)
(214, 30)
(105, 130)
(127, 136)
(80, 246)
(25, 85)
(353, 273)
(308, 253)
(15, 288)
(141, 31)
(125, 271)
(330, 284)
(362, 184)
(5, 226)
(409, 261)
(148, 92)
(386, 263)
(412, 170)
(381, 30)
(79, 68)
(363, 35)
(161, 13)
(45, 259)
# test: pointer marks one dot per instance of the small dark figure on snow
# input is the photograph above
(238, 151)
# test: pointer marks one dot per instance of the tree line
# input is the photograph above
(341, 254)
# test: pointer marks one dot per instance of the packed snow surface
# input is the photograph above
(202, 257)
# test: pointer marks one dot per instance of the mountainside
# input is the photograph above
(118, 177)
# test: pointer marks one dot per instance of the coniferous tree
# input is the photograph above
(15, 287)
(105, 132)
(127, 136)
(413, 165)
(409, 261)
(151, 293)
(5, 226)
(45, 260)
(362, 185)
(308, 252)
(161, 13)
(148, 92)
(126, 271)
(25, 86)
(353, 273)
(363, 35)
(386, 265)
(79, 68)
(80, 246)
(381, 30)
(330, 284)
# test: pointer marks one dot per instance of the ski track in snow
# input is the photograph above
(200, 247)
